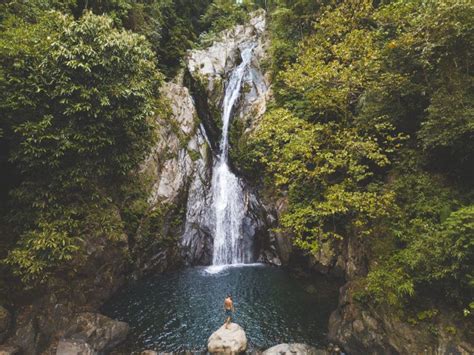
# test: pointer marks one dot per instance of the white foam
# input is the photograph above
(215, 269)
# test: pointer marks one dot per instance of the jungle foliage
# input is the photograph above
(79, 83)
(76, 98)
(371, 134)
(170, 26)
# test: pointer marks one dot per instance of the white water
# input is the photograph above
(228, 200)
(217, 269)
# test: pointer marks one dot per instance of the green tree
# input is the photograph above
(171, 26)
(371, 103)
(316, 148)
(76, 98)
(326, 170)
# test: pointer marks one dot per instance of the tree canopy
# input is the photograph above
(370, 136)
(77, 97)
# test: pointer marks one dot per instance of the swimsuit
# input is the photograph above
(228, 313)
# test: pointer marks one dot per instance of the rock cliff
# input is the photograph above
(190, 140)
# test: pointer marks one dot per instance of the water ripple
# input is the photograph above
(178, 311)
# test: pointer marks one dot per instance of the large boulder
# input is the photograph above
(231, 340)
(98, 332)
(74, 347)
(295, 348)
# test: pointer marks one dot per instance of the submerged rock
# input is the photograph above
(228, 341)
(295, 348)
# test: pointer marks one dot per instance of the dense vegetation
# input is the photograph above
(170, 26)
(79, 88)
(69, 131)
(371, 136)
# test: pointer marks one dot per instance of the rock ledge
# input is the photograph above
(228, 341)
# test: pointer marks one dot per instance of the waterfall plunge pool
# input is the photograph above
(178, 311)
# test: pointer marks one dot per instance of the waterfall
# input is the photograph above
(227, 194)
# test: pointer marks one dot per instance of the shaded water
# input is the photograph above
(179, 310)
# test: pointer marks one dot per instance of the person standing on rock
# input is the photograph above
(228, 308)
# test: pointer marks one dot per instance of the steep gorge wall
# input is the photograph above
(189, 141)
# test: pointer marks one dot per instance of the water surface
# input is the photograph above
(179, 310)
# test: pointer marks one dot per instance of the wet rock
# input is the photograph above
(197, 240)
(5, 322)
(268, 257)
(279, 244)
(295, 348)
(178, 161)
(228, 341)
(74, 347)
(101, 333)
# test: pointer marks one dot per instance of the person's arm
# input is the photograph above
(233, 308)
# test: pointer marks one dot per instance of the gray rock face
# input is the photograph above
(94, 331)
(227, 341)
(179, 147)
(295, 348)
(176, 165)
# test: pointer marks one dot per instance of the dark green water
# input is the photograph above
(179, 310)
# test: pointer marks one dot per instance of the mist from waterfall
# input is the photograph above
(227, 194)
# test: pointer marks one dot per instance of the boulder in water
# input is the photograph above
(74, 347)
(97, 331)
(228, 341)
(295, 348)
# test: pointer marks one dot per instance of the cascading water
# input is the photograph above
(228, 197)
